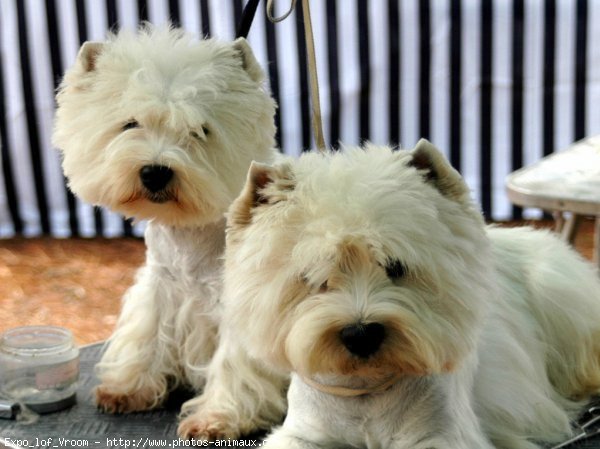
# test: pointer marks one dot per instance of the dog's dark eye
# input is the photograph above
(323, 287)
(395, 269)
(196, 135)
(130, 125)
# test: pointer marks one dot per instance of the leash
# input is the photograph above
(312, 66)
(247, 18)
(243, 30)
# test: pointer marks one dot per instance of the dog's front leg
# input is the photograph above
(241, 396)
(442, 443)
(136, 366)
(283, 438)
(442, 415)
(430, 438)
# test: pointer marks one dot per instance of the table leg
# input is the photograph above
(569, 230)
(596, 255)
(559, 221)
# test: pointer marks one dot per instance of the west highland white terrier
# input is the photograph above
(406, 322)
(158, 126)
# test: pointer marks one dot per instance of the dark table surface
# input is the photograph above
(84, 426)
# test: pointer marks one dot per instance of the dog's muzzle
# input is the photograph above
(361, 339)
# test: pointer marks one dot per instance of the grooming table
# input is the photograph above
(567, 181)
(84, 426)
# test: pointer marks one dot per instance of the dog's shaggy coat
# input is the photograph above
(469, 337)
(158, 126)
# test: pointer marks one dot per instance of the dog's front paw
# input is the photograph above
(111, 401)
(207, 427)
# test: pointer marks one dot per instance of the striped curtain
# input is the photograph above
(496, 84)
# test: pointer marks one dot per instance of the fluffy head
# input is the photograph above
(365, 263)
(156, 125)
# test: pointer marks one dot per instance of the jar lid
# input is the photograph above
(34, 341)
(53, 406)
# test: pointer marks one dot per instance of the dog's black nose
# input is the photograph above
(155, 177)
(363, 340)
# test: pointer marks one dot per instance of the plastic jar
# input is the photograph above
(39, 367)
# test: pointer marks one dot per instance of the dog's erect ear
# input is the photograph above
(249, 61)
(437, 171)
(88, 53)
(259, 176)
(265, 184)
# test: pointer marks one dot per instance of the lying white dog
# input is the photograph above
(407, 323)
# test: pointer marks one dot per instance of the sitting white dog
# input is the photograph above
(158, 126)
(407, 323)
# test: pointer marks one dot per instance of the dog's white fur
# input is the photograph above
(491, 335)
(159, 97)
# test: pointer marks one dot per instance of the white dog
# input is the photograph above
(407, 323)
(157, 126)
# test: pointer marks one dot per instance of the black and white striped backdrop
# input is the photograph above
(495, 83)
